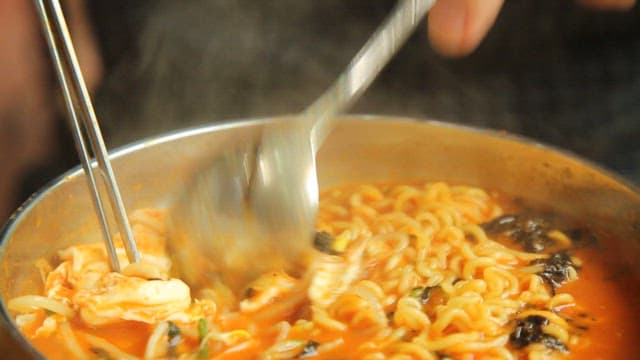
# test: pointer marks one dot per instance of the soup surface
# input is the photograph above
(400, 271)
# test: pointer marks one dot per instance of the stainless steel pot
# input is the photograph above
(361, 149)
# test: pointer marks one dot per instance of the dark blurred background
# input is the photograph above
(549, 70)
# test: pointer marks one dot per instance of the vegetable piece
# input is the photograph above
(174, 339)
(556, 269)
(530, 330)
(323, 241)
(310, 349)
(340, 244)
(202, 328)
(203, 351)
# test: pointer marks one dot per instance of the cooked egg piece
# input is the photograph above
(118, 297)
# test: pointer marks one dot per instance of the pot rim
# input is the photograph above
(33, 200)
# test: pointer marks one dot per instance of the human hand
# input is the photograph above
(456, 27)
(28, 101)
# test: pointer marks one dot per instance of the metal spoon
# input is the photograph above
(253, 209)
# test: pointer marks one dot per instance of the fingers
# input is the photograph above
(608, 4)
(456, 27)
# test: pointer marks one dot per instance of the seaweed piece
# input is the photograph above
(390, 315)
(501, 224)
(423, 294)
(527, 229)
(100, 354)
(323, 241)
(529, 330)
(310, 349)
(556, 269)
(443, 356)
(553, 343)
(430, 297)
(174, 339)
(249, 293)
(582, 236)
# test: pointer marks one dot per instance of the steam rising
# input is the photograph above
(198, 61)
(204, 61)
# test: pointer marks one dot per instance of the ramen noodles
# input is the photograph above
(401, 271)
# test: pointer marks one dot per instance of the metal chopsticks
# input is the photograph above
(83, 121)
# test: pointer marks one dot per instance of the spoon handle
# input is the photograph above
(364, 67)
